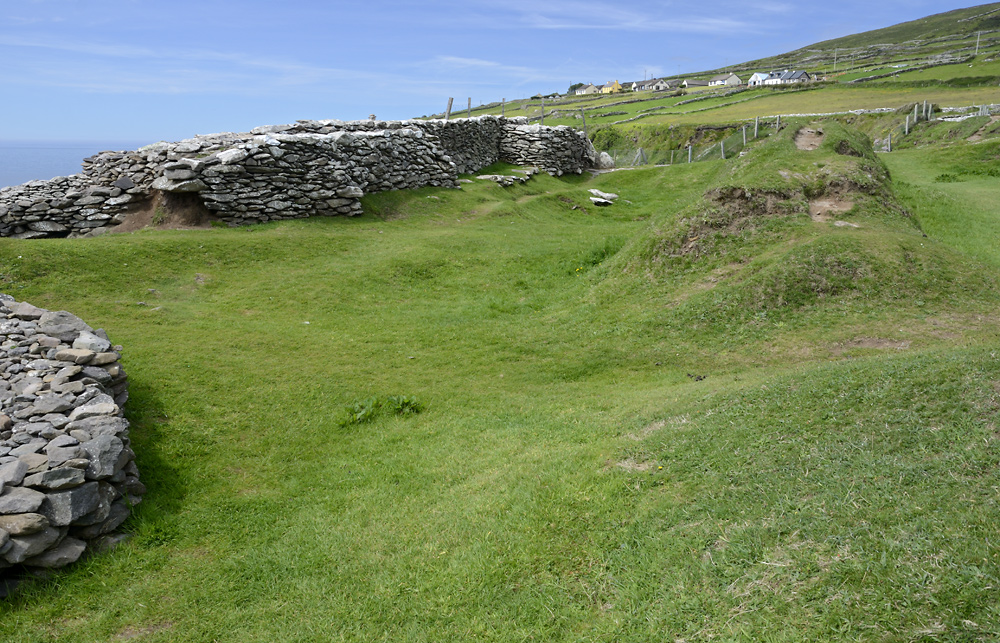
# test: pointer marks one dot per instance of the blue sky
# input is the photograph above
(145, 70)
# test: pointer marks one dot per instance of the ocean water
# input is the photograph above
(23, 161)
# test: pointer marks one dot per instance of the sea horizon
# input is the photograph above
(24, 160)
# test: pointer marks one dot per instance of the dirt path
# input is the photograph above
(978, 136)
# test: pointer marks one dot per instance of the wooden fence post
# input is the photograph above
(583, 115)
(756, 124)
(723, 146)
(470, 107)
(907, 131)
(689, 153)
(671, 157)
(447, 113)
(503, 106)
(744, 136)
(543, 110)
(890, 142)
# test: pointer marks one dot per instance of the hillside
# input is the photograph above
(751, 398)
(933, 59)
(950, 34)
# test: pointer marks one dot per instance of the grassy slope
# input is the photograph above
(968, 20)
(762, 103)
(568, 481)
(957, 182)
(893, 49)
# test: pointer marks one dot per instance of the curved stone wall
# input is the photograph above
(68, 477)
(310, 168)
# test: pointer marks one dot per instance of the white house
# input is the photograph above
(757, 80)
(587, 89)
(661, 85)
(790, 77)
(787, 77)
(731, 80)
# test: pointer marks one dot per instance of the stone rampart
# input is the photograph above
(68, 477)
(309, 168)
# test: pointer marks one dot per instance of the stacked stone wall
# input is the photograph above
(68, 477)
(309, 168)
(556, 150)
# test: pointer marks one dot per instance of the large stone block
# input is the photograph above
(23, 524)
(63, 507)
(24, 547)
(66, 552)
(19, 500)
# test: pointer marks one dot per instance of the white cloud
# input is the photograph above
(603, 16)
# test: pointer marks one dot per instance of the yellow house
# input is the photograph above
(612, 87)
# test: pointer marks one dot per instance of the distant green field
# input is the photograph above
(752, 103)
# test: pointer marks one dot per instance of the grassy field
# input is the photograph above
(747, 105)
(960, 181)
(690, 416)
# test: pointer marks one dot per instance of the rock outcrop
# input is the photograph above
(310, 168)
(68, 477)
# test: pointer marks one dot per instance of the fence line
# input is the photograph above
(730, 147)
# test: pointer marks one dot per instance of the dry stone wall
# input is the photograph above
(68, 477)
(309, 168)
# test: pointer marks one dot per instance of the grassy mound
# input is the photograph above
(791, 228)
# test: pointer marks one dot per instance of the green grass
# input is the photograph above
(953, 191)
(832, 478)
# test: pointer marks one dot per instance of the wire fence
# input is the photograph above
(925, 112)
(730, 147)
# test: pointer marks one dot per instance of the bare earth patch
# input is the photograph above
(821, 209)
(631, 465)
(168, 212)
(130, 633)
(870, 343)
(808, 139)
(650, 429)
